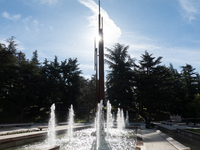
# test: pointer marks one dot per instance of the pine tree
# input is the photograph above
(120, 78)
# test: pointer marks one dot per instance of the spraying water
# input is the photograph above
(113, 115)
(99, 126)
(109, 120)
(120, 120)
(51, 127)
(70, 123)
(127, 119)
(83, 140)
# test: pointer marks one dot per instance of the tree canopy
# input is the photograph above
(29, 87)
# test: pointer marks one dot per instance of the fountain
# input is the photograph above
(109, 121)
(127, 119)
(120, 120)
(70, 123)
(113, 115)
(51, 127)
(100, 134)
(104, 138)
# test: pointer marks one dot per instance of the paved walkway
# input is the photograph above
(154, 139)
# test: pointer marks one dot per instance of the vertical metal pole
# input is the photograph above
(96, 75)
(101, 59)
(100, 64)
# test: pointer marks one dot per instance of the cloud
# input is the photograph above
(51, 28)
(111, 31)
(27, 28)
(19, 46)
(46, 1)
(35, 22)
(138, 43)
(27, 19)
(190, 8)
(8, 16)
(143, 47)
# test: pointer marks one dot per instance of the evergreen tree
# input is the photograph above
(190, 84)
(153, 85)
(178, 92)
(8, 75)
(120, 77)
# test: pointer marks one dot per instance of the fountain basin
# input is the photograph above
(15, 140)
(83, 140)
(53, 148)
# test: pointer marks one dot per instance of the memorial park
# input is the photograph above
(128, 103)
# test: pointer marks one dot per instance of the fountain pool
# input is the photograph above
(83, 140)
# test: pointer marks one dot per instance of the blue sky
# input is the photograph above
(66, 28)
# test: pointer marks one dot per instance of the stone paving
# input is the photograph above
(154, 139)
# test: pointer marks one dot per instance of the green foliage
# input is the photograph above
(27, 86)
(120, 76)
(193, 107)
(152, 87)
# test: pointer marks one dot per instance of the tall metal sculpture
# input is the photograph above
(99, 61)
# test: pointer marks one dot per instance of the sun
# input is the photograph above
(98, 38)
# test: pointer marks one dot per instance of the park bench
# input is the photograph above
(167, 122)
(42, 127)
(63, 123)
(15, 125)
(191, 120)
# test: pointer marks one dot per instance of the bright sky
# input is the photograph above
(66, 28)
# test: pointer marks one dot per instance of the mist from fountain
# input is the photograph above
(51, 135)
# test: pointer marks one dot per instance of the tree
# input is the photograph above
(190, 83)
(177, 92)
(86, 101)
(73, 82)
(120, 78)
(153, 85)
(193, 107)
(27, 88)
(8, 75)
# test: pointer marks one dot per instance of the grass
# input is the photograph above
(194, 130)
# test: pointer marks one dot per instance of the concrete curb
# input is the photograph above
(173, 142)
(165, 129)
